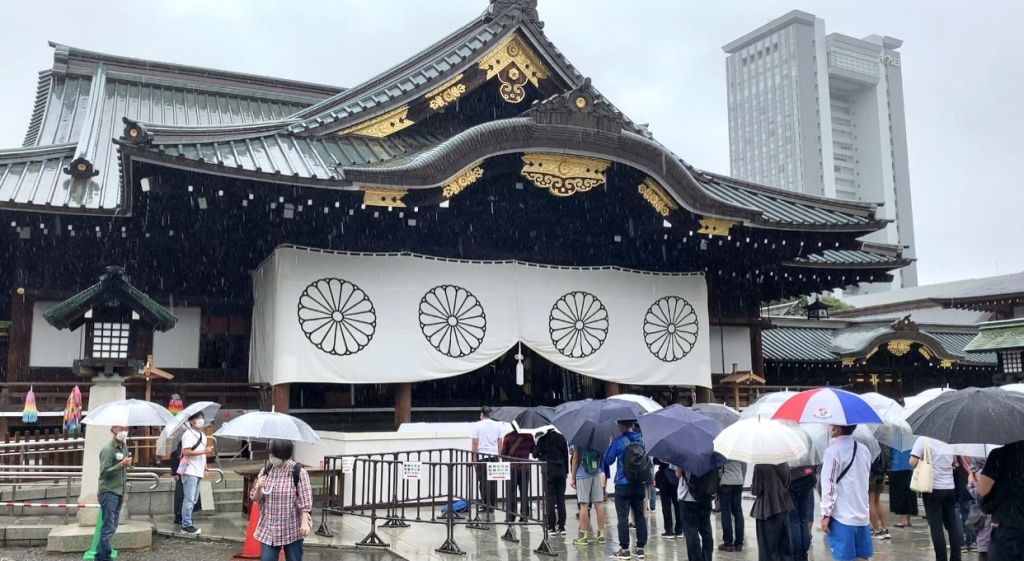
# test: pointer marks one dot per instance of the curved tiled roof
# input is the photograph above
(818, 344)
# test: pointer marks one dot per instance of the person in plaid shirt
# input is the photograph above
(285, 507)
(518, 445)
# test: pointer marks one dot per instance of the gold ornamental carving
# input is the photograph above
(446, 93)
(564, 174)
(899, 348)
(716, 226)
(849, 361)
(380, 196)
(515, 65)
(463, 180)
(946, 364)
(381, 125)
(659, 199)
(925, 353)
(581, 102)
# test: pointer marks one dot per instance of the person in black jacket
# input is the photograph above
(554, 450)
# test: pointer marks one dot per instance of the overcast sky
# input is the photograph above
(660, 61)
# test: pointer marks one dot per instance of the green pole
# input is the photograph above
(91, 554)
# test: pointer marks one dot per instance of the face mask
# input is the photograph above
(122, 436)
(276, 462)
(200, 423)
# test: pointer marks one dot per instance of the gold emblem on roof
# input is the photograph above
(381, 125)
(380, 196)
(564, 174)
(463, 180)
(446, 93)
(899, 348)
(716, 226)
(653, 194)
(515, 64)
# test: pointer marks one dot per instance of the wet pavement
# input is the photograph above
(419, 540)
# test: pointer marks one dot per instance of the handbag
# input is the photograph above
(976, 519)
(923, 478)
(184, 461)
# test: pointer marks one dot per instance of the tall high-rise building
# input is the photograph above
(823, 115)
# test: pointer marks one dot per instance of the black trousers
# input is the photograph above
(700, 543)
(940, 507)
(730, 503)
(671, 510)
(773, 539)
(1007, 544)
(554, 491)
(488, 489)
(517, 498)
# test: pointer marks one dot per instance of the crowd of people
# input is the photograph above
(974, 503)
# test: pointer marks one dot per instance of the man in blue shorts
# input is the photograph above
(846, 467)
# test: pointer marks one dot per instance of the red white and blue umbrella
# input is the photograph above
(827, 406)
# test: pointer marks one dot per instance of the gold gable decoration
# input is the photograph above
(899, 348)
(380, 196)
(381, 125)
(564, 174)
(716, 226)
(463, 180)
(515, 64)
(448, 92)
(656, 197)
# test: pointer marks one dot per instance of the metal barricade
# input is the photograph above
(402, 488)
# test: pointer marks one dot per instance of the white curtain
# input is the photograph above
(353, 319)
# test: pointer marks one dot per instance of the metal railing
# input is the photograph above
(68, 474)
(406, 487)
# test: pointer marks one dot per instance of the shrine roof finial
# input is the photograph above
(526, 7)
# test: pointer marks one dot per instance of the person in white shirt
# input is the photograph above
(193, 450)
(486, 438)
(940, 506)
(696, 514)
(846, 466)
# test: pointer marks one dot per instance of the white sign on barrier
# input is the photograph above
(499, 471)
(412, 470)
(347, 464)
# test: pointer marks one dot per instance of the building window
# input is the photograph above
(1012, 362)
(841, 121)
(110, 340)
(842, 146)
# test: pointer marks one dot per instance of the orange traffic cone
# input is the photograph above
(251, 547)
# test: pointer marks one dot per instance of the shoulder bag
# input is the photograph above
(923, 478)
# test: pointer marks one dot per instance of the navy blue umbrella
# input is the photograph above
(682, 437)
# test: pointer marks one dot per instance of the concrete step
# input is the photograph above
(72, 538)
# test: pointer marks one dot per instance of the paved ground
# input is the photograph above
(172, 549)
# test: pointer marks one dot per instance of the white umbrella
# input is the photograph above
(647, 403)
(972, 450)
(268, 425)
(1013, 387)
(914, 402)
(129, 413)
(894, 430)
(172, 432)
(821, 439)
(761, 441)
(766, 405)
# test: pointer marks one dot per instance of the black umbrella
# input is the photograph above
(534, 417)
(506, 414)
(972, 416)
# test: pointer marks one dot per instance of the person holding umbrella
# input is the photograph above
(632, 469)
(193, 454)
(1001, 487)
(114, 461)
(844, 496)
(730, 497)
(940, 506)
(589, 483)
(286, 504)
(518, 444)
(771, 511)
(554, 451)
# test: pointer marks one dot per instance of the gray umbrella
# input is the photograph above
(972, 416)
(724, 414)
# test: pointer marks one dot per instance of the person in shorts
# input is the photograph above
(845, 470)
(590, 490)
(876, 485)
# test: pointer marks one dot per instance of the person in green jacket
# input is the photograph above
(114, 463)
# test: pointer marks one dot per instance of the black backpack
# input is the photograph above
(705, 487)
(636, 466)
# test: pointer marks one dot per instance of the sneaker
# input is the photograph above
(561, 531)
(639, 553)
(668, 536)
(191, 530)
(600, 538)
(885, 534)
(622, 554)
(631, 525)
(582, 540)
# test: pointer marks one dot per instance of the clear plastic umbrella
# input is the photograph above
(129, 413)
(268, 425)
(647, 403)
(894, 431)
(1013, 387)
(914, 402)
(766, 405)
(172, 432)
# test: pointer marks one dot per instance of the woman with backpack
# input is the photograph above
(286, 502)
(876, 485)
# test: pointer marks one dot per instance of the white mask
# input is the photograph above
(122, 436)
(276, 462)
(200, 423)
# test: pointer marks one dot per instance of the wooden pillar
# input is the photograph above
(19, 345)
(611, 388)
(756, 350)
(403, 403)
(282, 394)
(703, 394)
